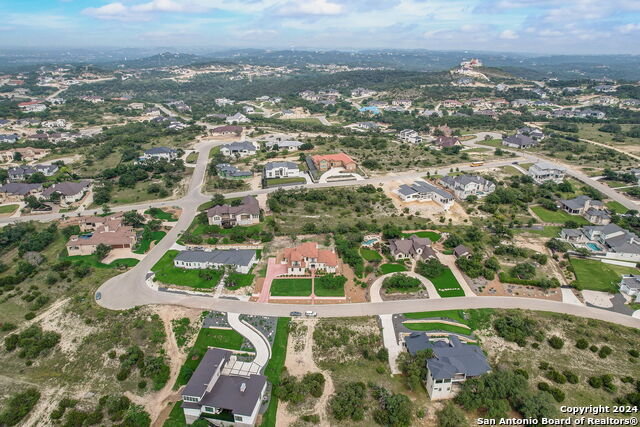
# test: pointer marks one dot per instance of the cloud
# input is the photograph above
(310, 7)
(509, 35)
(628, 28)
(144, 11)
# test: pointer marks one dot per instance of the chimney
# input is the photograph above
(243, 387)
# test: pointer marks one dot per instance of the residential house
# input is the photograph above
(237, 118)
(464, 186)
(411, 248)
(410, 136)
(593, 211)
(111, 232)
(9, 138)
(446, 141)
(630, 285)
(451, 103)
(69, 192)
(369, 126)
(284, 145)
(573, 235)
(545, 171)
(240, 260)
(519, 141)
(461, 251)
(238, 149)
(159, 153)
(221, 102)
(227, 130)
(306, 257)
(636, 172)
(588, 113)
(224, 396)
(618, 243)
(58, 123)
(246, 213)
(281, 170)
(404, 103)
(421, 191)
(180, 106)
(32, 106)
(453, 362)
(328, 161)
(533, 133)
(21, 173)
(38, 137)
(226, 170)
(362, 92)
(16, 191)
(27, 154)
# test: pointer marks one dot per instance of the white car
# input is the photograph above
(310, 313)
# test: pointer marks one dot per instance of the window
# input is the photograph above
(190, 399)
(237, 418)
(209, 409)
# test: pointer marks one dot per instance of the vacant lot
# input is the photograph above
(291, 287)
(432, 235)
(167, 273)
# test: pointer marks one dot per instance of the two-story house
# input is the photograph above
(281, 170)
(464, 186)
(246, 213)
(545, 171)
(306, 257)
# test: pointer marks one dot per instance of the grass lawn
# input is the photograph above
(208, 337)
(176, 417)
(510, 170)
(557, 217)
(617, 207)
(274, 368)
(291, 287)
(370, 255)
(457, 315)
(392, 268)
(438, 326)
(279, 181)
(323, 291)
(598, 276)
(241, 280)
(432, 235)
(144, 244)
(491, 142)
(474, 319)
(8, 209)
(192, 157)
(93, 261)
(447, 285)
(160, 214)
(167, 273)
(547, 231)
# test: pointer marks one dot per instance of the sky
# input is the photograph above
(528, 26)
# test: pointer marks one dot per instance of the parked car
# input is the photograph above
(310, 313)
(295, 314)
(98, 296)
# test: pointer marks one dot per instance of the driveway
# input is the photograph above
(374, 290)
(259, 342)
(273, 270)
(390, 341)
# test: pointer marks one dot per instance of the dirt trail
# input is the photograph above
(44, 315)
(158, 403)
(299, 362)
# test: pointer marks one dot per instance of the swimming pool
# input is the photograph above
(593, 247)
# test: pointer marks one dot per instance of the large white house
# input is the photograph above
(237, 118)
(630, 285)
(222, 393)
(410, 136)
(464, 186)
(241, 260)
(281, 170)
(421, 191)
(239, 149)
(545, 171)
(159, 153)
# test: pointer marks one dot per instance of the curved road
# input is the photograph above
(129, 289)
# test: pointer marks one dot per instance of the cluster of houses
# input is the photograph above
(608, 241)
(323, 97)
(462, 187)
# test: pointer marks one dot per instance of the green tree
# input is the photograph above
(451, 416)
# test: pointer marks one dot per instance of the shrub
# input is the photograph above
(593, 348)
(556, 342)
(451, 416)
(142, 384)
(521, 372)
(595, 382)
(604, 351)
(556, 376)
(571, 377)
(312, 418)
(29, 316)
(19, 406)
(347, 402)
(634, 353)
(582, 344)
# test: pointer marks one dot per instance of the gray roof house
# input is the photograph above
(593, 211)
(69, 191)
(158, 153)
(464, 186)
(20, 173)
(546, 171)
(229, 171)
(18, 190)
(519, 141)
(412, 247)
(239, 149)
(222, 394)
(281, 170)
(423, 191)
(240, 259)
(461, 251)
(246, 213)
(453, 363)
(10, 138)
(630, 285)
(290, 145)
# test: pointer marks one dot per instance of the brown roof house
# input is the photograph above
(308, 256)
(461, 251)
(69, 192)
(17, 191)
(446, 141)
(247, 213)
(411, 248)
(112, 233)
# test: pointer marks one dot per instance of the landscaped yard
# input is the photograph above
(176, 417)
(392, 268)
(474, 319)
(8, 209)
(145, 243)
(432, 235)
(274, 368)
(192, 157)
(598, 276)
(208, 337)
(167, 273)
(92, 260)
(370, 255)
(616, 207)
(557, 217)
(432, 326)
(239, 280)
(322, 289)
(547, 231)
(447, 285)
(158, 213)
(291, 287)
(281, 181)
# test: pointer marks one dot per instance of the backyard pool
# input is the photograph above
(593, 247)
(370, 240)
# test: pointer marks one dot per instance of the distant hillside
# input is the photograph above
(165, 59)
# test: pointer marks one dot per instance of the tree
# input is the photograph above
(217, 199)
(133, 219)
(523, 271)
(451, 416)
(19, 406)
(395, 410)
(430, 268)
(102, 251)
